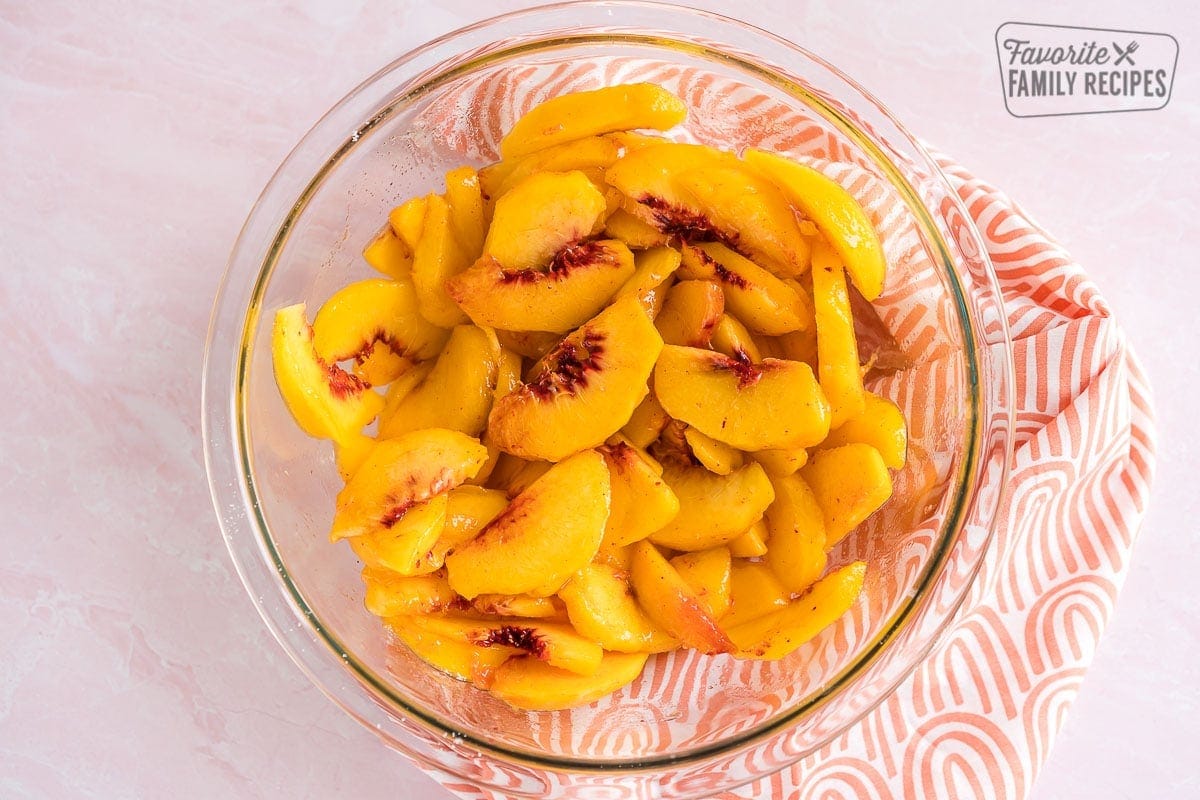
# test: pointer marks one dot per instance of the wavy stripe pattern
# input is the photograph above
(977, 718)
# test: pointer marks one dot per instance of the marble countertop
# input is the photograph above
(134, 138)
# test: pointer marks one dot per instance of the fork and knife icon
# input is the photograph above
(1126, 54)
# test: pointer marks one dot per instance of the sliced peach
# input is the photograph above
(584, 390)
(540, 216)
(407, 220)
(707, 573)
(387, 253)
(531, 344)
(514, 475)
(438, 257)
(837, 350)
(754, 592)
(600, 605)
(593, 153)
(389, 594)
(647, 177)
(581, 279)
(618, 557)
(581, 114)
(752, 543)
(515, 605)
(796, 550)
(689, 313)
(646, 422)
(752, 214)
(404, 545)
(466, 210)
(326, 401)
(400, 473)
(668, 600)
(457, 393)
(782, 461)
(468, 510)
(642, 503)
(532, 685)
(836, 213)
(546, 534)
(777, 634)
(713, 509)
(715, 456)
(349, 453)
(764, 302)
(881, 425)
(631, 230)
(450, 654)
(372, 315)
(749, 406)
(652, 279)
(850, 482)
(554, 643)
(730, 336)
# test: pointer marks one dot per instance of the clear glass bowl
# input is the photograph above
(691, 725)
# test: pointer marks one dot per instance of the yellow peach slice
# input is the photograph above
(619, 558)
(584, 390)
(881, 425)
(749, 406)
(642, 503)
(782, 461)
(389, 594)
(407, 220)
(540, 216)
(438, 257)
(466, 210)
(836, 213)
(647, 177)
(751, 212)
(715, 456)
(730, 336)
(850, 482)
(593, 153)
(777, 634)
(532, 685)
(514, 475)
(581, 279)
(754, 592)
(631, 230)
(349, 453)
(554, 643)
(796, 549)
(837, 350)
(689, 313)
(403, 545)
(456, 394)
(713, 509)
(389, 254)
(546, 534)
(707, 573)
(601, 607)
(375, 315)
(668, 600)
(646, 422)
(752, 543)
(515, 605)
(400, 473)
(764, 302)
(652, 278)
(581, 114)
(530, 344)
(326, 401)
(451, 655)
(468, 510)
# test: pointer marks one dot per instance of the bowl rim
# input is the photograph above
(261, 568)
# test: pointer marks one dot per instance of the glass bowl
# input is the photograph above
(691, 725)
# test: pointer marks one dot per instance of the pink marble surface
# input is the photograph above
(133, 140)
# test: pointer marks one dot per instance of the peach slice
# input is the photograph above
(554, 643)
(850, 483)
(532, 685)
(514, 475)
(326, 401)
(749, 406)
(652, 279)
(468, 510)
(642, 503)
(465, 200)
(752, 543)
(581, 114)
(400, 473)
(782, 461)
(713, 509)
(530, 344)
(600, 605)
(407, 220)
(881, 425)
(782, 632)
(668, 600)
(390, 595)
(689, 313)
(796, 551)
(540, 216)
(619, 558)
(456, 394)
(349, 453)
(754, 592)
(593, 153)
(647, 177)
(751, 213)
(837, 350)
(646, 422)
(374, 315)
(546, 534)
(581, 279)
(707, 573)
(388, 253)
(516, 605)
(729, 336)
(631, 230)
(438, 257)
(764, 302)
(836, 213)
(405, 545)
(584, 390)
(715, 456)
(451, 655)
